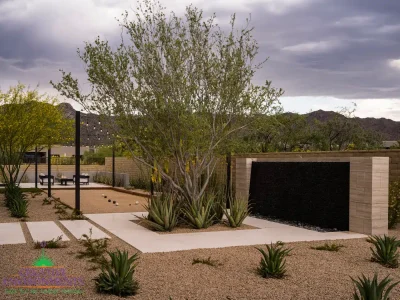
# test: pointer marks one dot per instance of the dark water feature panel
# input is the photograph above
(312, 193)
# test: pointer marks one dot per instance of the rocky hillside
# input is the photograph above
(389, 129)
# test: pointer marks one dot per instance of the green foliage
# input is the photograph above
(199, 214)
(163, 212)
(367, 289)
(48, 201)
(24, 190)
(106, 178)
(394, 204)
(208, 261)
(99, 155)
(273, 262)
(117, 276)
(52, 244)
(27, 120)
(239, 210)
(329, 247)
(16, 202)
(385, 251)
(203, 97)
(94, 249)
(140, 183)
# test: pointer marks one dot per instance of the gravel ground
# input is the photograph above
(92, 201)
(311, 274)
(36, 211)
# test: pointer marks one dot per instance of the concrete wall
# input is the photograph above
(369, 188)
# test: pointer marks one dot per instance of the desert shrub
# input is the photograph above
(19, 208)
(163, 212)
(394, 204)
(94, 248)
(16, 202)
(48, 201)
(238, 211)
(385, 251)
(199, 214)
(208, 261)
(107, 179)
(273, 262)
(116, 277)
(140, 183)
(52, 244)
(367, 289)
(329, 247)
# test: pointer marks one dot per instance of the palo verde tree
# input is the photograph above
(27, 120)
(178, 87)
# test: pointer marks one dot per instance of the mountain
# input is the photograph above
(389, 129)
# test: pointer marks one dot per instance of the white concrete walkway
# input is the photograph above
(45, 231)
(81, 227)
(11, 233)
(148, 241)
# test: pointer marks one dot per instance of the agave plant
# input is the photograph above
(367, 289)
(163, 212)
(12, 193)
(200, 214)
(273, 262)
(18, 206)
(239, 210)
(385, 251)
(117, 276)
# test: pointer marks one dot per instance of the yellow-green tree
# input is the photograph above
(27, 120)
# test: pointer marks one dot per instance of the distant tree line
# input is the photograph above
(290, 132)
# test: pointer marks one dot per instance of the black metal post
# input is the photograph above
(78, 160)
(113, 165)
(228, 178)
(49, 172)
(36, 174)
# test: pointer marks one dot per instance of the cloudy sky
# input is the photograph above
(325, 54)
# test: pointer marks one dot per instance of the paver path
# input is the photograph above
(80, 227)
(45, 231)
(11, 233)
(148, 241)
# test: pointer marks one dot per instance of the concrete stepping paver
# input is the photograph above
(81, 227)
(11, 233)
(148, 241)
(45, 231)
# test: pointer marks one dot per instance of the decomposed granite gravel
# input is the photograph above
(311, 274)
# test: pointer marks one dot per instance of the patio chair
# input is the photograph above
(83, 179)
(44, 179)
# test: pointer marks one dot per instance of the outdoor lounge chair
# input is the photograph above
(43, 179)
(84, 179)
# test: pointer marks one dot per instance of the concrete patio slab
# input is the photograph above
(81, 227)
(11, 233)
(45, 231)
(148, 241)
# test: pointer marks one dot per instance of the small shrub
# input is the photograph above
(367, 289)
(385, 251)
(12, 193)
(117, 277)
(394, 204)
(94, 248)
(208, 261)
(19, 207)
(140, 183)
(199, 214)
(329, 247)
(239, 210)
(52, 244)
(163, 212)
(48, 201)
(280, 243)
(273, 262)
